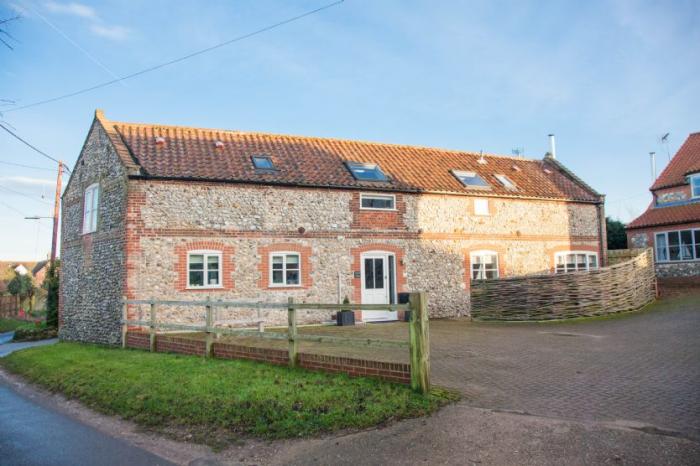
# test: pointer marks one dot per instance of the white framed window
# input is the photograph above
(377, 201)
(481, 207)
(366, 171)
(91, 202)
(506, 182)
(676, 246)
(470, 179)
(484, 265)
(575, 261)
(204, 269)
(285, 269)
(695, 185)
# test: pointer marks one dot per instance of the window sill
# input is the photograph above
(88, 232)
(378, 210)
(680, 261)
(284, 287)
(204, 288)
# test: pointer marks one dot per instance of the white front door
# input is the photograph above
(378, 279)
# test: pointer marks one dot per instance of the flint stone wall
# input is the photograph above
(93, 265)
(437, 234)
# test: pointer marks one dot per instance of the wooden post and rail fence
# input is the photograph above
(418, 342)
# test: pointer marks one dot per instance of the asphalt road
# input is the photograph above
(34, 435)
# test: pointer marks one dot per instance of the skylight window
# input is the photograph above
(263, 162)
(470, 179)
(366, 171)
(505, 181)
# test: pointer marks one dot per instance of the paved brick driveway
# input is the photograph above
(643, 367)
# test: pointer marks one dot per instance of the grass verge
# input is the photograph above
(213, 401)
(8, 325)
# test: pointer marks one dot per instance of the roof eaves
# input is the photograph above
(571, 175)
(373, 187)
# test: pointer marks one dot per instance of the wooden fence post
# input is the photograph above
(209, 319)
(152, 328)
(124, 319)
(420, 343)
(292, 333)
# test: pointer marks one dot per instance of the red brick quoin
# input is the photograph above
(227, 264)
(368, 219)
(264, 265)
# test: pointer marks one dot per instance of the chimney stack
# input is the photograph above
(552, 147)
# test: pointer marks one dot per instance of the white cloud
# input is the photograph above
(96, 25)
(110, 32)
(26, 180)
(75, 9)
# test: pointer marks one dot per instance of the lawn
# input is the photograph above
(214, 401)
(7, 325)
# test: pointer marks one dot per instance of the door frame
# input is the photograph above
(390, 282)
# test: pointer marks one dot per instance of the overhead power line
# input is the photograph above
(26, 143)
(12, 208)
(27, 166)
(179, 59)
(28, 196)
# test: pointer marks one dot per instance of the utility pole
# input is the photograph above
(56, 208)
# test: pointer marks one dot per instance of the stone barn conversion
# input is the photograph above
(671, 223)
(175, 213)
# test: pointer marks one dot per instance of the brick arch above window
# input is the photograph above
(227, 264)
(357, 267)
(304, 261)
(498, 249)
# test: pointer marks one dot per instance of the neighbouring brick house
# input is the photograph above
(671, 223)
(162, 212)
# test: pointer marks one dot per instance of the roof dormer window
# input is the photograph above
(366, 171)
(470, 179)
(506, 182)
(695, 185)
(263, 162)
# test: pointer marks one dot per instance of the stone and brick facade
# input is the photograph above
(155, 208)
(671, 223)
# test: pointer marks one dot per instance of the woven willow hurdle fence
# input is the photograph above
(621, 287)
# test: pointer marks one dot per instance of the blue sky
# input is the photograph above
(608, 78)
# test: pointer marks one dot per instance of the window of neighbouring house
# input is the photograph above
(470, 179)
(366, 171)
(484, 265)
(91, 202)
(263, 162)
(575, 261)
(695, 185)
(681, 245)
(377, 201)
(285, 269)
(481, 207)
(204, 269)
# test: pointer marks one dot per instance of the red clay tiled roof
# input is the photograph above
(656, 216)
(192, 154)
(686, 161)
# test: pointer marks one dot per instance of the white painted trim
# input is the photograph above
(488, 207)
(668, 246)
(482, 252)
(375, 254)
(205, 269)
(588, 265)
(392, 196)
(91, 225)
(270, 283)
